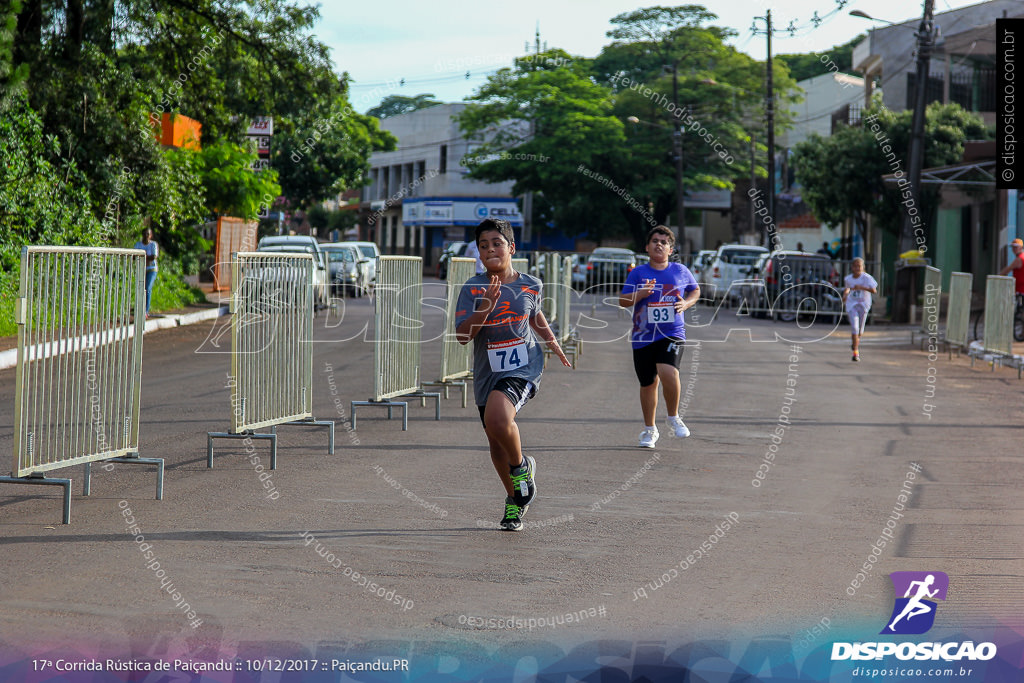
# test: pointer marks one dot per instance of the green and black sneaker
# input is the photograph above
(513, 516)
(524, 488)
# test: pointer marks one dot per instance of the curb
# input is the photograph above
(9, 358)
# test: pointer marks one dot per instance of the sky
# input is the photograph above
(431, 45)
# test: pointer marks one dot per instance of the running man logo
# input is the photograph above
(914, 613)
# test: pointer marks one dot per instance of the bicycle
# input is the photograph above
(1018, 319)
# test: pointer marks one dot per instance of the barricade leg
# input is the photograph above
(423, 396)
(390, 405)
(310, 422)
(210, 436)
(129, 460)
(457, 384)
(40, 480)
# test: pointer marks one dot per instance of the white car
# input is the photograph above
(700, 265)
(370, 251)
(349, 269)
(304, 244)
(731, 262)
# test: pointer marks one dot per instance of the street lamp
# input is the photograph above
(865, 15)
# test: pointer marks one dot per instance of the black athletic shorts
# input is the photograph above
(518, 391)
(645, 359)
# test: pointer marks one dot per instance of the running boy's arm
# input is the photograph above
(637, 293)
(472, 324)
(540, 325)
(689, 301)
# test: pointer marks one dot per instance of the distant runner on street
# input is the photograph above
(659, 292)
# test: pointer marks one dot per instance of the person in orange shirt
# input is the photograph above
(1016, 265)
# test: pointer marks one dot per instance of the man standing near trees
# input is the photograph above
(152, 251)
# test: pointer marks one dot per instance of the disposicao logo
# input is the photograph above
(912, 614)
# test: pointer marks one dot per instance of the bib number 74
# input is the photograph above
(507, 355)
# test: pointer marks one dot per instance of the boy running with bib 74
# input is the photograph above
(500, 310)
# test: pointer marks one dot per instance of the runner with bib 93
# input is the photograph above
(659, 293)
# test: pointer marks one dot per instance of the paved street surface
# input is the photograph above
(614, 537)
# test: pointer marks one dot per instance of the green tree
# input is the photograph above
(325, 150)
(230, 185)
(394, 105)
(12, 79)
(41, 201)
(841, 175)
(103, 70)
(804, 66)
(557, 121)
(576, 113)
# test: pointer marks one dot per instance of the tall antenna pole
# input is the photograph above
(769, 107)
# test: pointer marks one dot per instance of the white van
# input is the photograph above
(731, 262)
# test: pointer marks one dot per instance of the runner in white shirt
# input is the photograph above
(857, 297)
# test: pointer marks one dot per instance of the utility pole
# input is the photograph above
(769, 112)
(769, 109)
(528, 196)
(924, 53)
(906, 278)
(677, 148)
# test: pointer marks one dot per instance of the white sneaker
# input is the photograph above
(648, 437)
(678, 428)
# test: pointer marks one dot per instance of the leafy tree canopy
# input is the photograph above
(394, 105)
(602, 171)
(804, 66)
(841, 175)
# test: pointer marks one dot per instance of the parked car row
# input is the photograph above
(339, 268)
(786, 284)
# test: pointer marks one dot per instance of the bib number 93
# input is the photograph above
(661, 313)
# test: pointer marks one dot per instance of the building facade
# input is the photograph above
(419, 197)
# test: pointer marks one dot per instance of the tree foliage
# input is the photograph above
(102, 71)
(326, 150)
(42, 198)
(395, 105)
(575, 112)
(229, 184)
(804, 66)
(841, 175)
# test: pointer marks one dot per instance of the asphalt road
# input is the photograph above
(614, 538)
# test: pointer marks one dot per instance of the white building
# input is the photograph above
(419, 197)
(823, 95)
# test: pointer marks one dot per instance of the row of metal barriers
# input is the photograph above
(996, 343)
(80, 344)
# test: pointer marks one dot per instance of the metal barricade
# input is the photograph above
(456, 358)
(932, 303)
(565, 332)
(80, 316)
(958, 311)
(521, 265)
(272, 298)
(398, 316)
(550, 272)
(997, 339)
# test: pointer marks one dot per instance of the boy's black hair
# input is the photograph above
(501, 225)
(661, 230)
